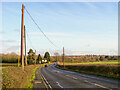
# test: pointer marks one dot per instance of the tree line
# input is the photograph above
(84, 58)
(13, 57)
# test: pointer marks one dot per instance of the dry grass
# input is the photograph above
(101, 69)
(14, 77)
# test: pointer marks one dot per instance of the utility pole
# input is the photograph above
(25, 46)
(35, 56)
(22, 27)
(63, 58)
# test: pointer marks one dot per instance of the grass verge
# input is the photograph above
(14, 77)
(109, 71)
(30, 85)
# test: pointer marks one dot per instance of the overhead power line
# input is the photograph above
(30, 41)
(40, 28)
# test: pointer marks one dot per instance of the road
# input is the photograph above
(57, 78)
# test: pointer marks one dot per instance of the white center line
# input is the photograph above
(71, 76)
(56, 71)
(74, 77)
(59, 85)
(86, 81)
(97, 85)
(100, 86)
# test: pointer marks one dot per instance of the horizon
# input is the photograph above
(62, 54)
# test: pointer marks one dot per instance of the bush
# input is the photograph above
(30, 61)
(9, 58)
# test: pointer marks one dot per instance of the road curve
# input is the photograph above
(57, 78)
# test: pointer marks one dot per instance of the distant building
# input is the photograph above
(44, 61)
(40, 62)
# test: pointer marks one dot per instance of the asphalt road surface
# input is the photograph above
(57, 78)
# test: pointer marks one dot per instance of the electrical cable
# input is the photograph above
(40, 28)
(30, 41)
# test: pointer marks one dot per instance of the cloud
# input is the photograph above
(80, 52)
(8, 41)
(1, 32)
(50, 34)
(10, 9)
(10, 49)
(16, 49)
(17, 30)
(13, 49)
(88, 45)
(90, 5)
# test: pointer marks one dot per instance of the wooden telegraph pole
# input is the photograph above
(22, 27)
(63, 58)
(25, 46)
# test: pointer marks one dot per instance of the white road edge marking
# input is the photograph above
(43, 81)
(46, 81)
(59, 85)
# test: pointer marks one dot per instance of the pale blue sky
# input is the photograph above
(82, 28)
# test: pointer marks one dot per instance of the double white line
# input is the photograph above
(71, 76)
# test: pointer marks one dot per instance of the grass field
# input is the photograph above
(109, 69)
(90, 63)
(8, 64)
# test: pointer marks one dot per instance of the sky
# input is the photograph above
(80, 27)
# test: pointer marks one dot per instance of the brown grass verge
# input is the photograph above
(14, 77)
(111, 71)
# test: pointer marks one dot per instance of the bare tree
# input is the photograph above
(56, 56)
